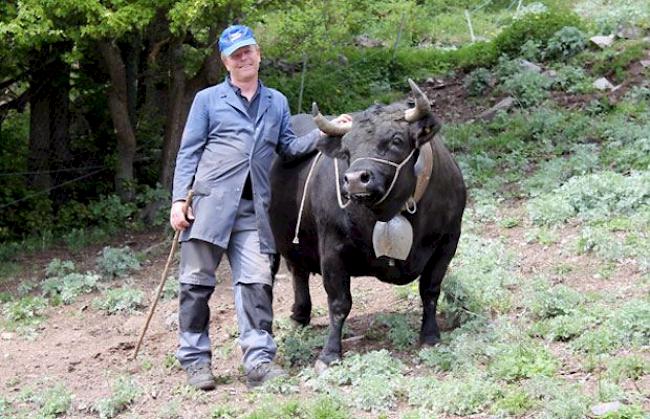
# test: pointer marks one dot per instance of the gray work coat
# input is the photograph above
(220, 146)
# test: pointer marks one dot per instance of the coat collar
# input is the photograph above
(230, 96)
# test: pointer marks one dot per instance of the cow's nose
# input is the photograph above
(357, 182)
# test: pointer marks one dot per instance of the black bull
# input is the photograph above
(337, 243)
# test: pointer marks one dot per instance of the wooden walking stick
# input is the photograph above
(163, 279)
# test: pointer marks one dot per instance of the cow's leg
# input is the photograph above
(430, 282)
(339, 300)
(301, 309)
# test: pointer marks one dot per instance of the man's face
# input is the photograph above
(244, 63)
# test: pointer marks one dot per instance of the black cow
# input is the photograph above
(337, 242)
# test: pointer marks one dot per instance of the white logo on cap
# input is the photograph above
(235, 36)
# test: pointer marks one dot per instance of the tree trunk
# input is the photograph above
(38, 162)
(181, 96)
(118, 102)
(61, 157)
(176, 115)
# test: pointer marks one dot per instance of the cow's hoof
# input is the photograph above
(300, 321)
(429, 342)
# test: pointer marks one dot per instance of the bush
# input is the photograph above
(116, 262)
(120, 300)
(565, 43)
(478, 81)
(527, 87)
(536, 27)
(68, 287)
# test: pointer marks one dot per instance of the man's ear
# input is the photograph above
(330, 146)
(424, 129)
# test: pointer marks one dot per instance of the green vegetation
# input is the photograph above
(117, 262)
(124, 391)
(120, 300)
(544, 311)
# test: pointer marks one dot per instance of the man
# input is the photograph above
(233, 131)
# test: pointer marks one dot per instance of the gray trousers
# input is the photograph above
(252, 288)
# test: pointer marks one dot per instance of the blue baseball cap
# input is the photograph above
(235, 37)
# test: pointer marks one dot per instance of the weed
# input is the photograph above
(170, 361)
(514, 401)
(565, 43)
(527, 87)
(571, 80)
(531, 50)
(281, 385)
(68, 287)
(171, 410)
(557, 398)
(117, 262)
(124, 391)
(592, 197)
(478, 279)
(629, 367)
(328, 407)
(59, 268)
(272, 409)
(555, 301)
(513, 362)
(563, 327)
(463, 395)
(401, 332)
(227, 411)
(119, 300)
(24, 313)
(478, 81)
(538, 27)
(297, 345)
(170, 290)
(54, 401)
(374, 379)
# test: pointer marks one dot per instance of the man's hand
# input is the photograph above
(180, 215)
(343, 120)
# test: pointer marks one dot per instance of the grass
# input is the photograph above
(124, 391)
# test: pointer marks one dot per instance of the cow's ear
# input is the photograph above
(424, 129)
(330, 146)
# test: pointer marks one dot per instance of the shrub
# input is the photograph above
(119, 300)
(477, 282)
(527, 87)
(297, 345)
(374, 379)
(559, 300)
(401, 333)
(57, 268)
(462, 396)
(478, 81)
(565, 43)
(67, 288)
(592, 197)
(513, 362)
(55, 401)
(26, 311)
(116, 262)
(537, 27)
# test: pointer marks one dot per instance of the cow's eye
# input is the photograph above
(396, 140)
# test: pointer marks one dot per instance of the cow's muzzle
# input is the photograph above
(358, 184)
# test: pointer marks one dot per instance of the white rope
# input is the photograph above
(304, 196)
(338, 186)
(397, 166)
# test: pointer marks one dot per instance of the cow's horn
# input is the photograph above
(422, 105)
(326, 125)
